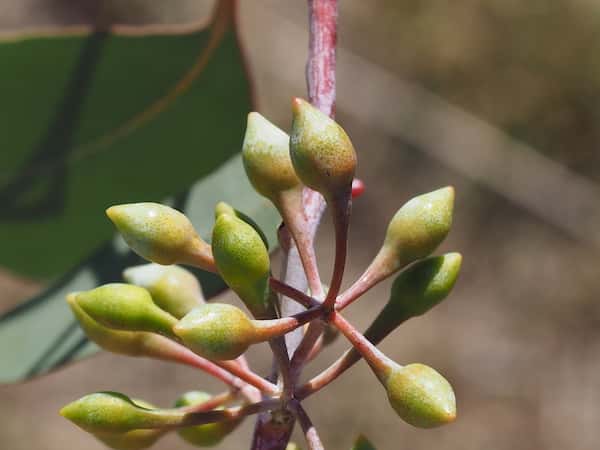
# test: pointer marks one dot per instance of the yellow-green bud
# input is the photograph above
(293, 446)
(207, 435)
(243, 261)
(111, 412)
(160, 234)
(225, 208)
(216, 331)
(129, 343)
(173, 288)
(421, 396)
(362, 443)
(132, 440)
(415, 291)
(266, 158)
(321, 151)
(418, 228)
(125, 307)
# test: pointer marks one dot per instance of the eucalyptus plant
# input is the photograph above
(160, 311)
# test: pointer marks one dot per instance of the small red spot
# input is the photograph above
(358, 187)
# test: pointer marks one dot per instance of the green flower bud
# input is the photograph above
(418, 228)
(207, 435)
(420, 396)
(415, 291)
(293, 446)
(129, 343)
(173, 288)
(132, 440)
(243, 261)
(216, 331)
(160, 234)
(111, 412)
(224, 208)
(266, 158)
(362, 443)
(321, 151)
(125, 307)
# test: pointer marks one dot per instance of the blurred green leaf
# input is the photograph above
(91, 119)
(362, 443)
(42, 334)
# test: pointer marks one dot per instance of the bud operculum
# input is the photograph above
(125, 307)
(243, 261)
(216, 331)
(224, 208)
(421, 396)
(266, 157)
(321, 152)
(160, 234)
(111, 412)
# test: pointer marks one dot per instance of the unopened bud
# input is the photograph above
(322, 153)
(420, 226)
(125, 307)
(173, 288)
(243, 261)
(111, 412)
(421, 396)
(266, 157)
(216, 331)
(160, 234)
(225, 208)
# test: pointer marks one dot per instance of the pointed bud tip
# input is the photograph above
(297, 104)
(113, 212)
(223, 208)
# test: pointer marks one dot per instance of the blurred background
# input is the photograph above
(500, 98)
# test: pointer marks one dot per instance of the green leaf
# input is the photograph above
(92, 119)
(362, 443)
(42, 334)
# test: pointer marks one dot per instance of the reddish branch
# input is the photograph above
(320, 79)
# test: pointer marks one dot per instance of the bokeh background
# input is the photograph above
(500, 98)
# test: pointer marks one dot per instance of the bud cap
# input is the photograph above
(156, 232)
(216, 331)
(419, 227)
(421, 396)
(125, 307)
(111, 412)
(243, 262)
(321, 151)
(266, 157)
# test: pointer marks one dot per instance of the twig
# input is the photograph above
(293, 293)
(310, 432)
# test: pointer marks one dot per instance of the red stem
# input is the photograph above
(320, 79)
(320, 68)
(293, 293)
(376, 359)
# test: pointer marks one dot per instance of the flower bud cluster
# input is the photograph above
(160, 311)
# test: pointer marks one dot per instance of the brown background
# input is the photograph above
(519, 337)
